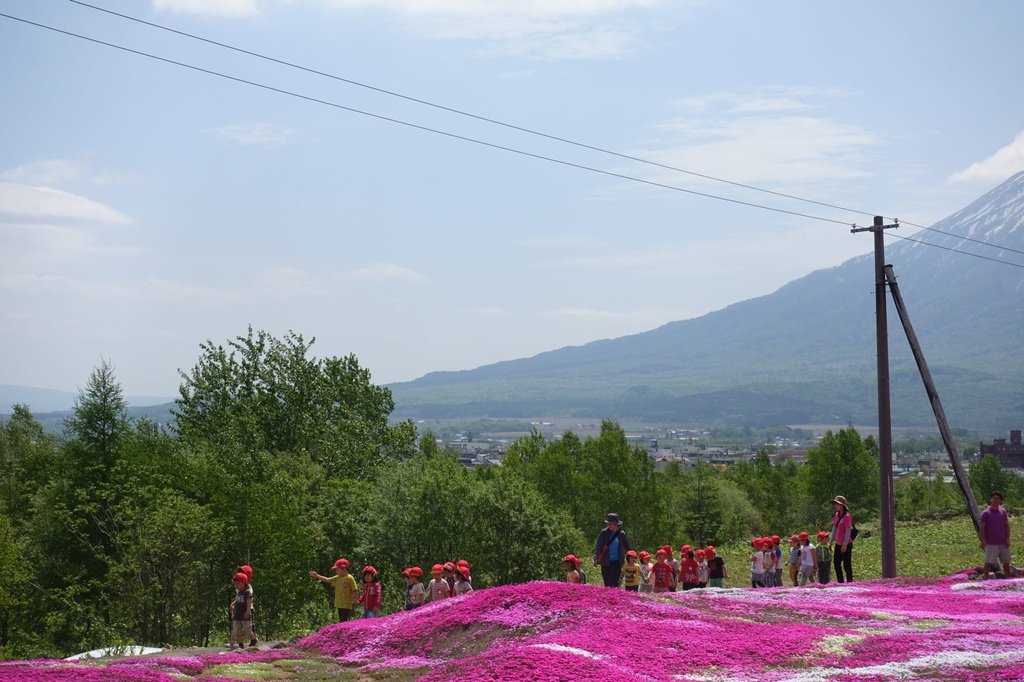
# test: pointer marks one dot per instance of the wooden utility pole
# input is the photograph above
(933, 398)
(888, 520)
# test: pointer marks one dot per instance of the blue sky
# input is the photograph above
(145, 208)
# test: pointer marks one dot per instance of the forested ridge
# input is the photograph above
(122, 531)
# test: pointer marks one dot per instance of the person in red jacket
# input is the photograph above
(688, 570)
(662, 570)
(371, 595)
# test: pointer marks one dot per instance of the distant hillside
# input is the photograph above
(41, 400)
(803, 354)
(52, 420)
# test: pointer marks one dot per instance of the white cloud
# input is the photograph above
(264, 134)
(28, 203)
(384, 272)
(60, 171)
(211, 8)
(763, 136)
(1005, 162)
(538, 29)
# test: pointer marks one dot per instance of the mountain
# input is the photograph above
(803, 354)
(42, 400)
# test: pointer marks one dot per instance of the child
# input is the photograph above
(794, 559)
(646, 574)
(702, 568)
(438, 588)
(777, 550)
(688, 570)
(245, 568)
(824, 558)
(808, 559)
(241, 612)
(662, 570)
(769, 563)
(371, 596)
(631, 572)
(449, 575)
(757, 563)
(414, 592)
(675, 563)
(344, 587)
(572, 569)
(716, 568)
(462, 563)
(462, 584)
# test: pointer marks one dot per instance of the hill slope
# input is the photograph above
(804, 353)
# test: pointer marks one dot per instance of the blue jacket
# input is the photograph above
(603, 539)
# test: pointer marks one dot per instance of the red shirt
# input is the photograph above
(662, 575)
(688, 569)
(370, 598)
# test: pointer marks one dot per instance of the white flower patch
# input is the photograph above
(569, 650)
(907, 669)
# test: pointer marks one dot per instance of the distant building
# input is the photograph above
(1011, 455)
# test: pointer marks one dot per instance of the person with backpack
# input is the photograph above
(842, 536)
(610, 550)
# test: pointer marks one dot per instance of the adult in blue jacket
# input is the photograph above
(610, 550)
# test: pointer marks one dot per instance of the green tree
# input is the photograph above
(27, 457)
(843, 464)
(987, 475)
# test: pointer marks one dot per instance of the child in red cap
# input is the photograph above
(414, 592)
(688, 569)
(702, 568)
(462, 584)
(247, 569)
(716, 568)
(646, 573)
(241, 612)
(438, 588)
(794, 559)
(572, 569)
(757, 563)
(371, 596)
(824, 558)
(769, 562)
(344, 585)
(631, 572)
(662, 570)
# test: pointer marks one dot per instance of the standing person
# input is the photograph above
(662, 571)
(994, 533)
(716, 568)
(824, 559)
(572, 569)
(757, 563)
(646, 572)
(462, 584)
(670, 559)
(688, 568)
(794, 559)
(241, 612)
(371, 596)
(610, 550)
(414, 592)
(777, 550)
(842, 539)
(438, 588)
(247, 569)
(344, 588)
(702, 568)
(808, 558)
(449, 575)
(769, 564)
(631, 572)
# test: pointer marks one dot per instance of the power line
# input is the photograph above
(424, 128)
(483, 143)
(948, 248)
(512, 126)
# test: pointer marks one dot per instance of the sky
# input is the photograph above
(146, 208)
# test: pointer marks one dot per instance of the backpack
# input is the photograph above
(583, 576)
(853, 533)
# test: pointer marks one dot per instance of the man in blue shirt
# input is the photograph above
(610, 550)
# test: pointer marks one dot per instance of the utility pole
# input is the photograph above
(888, 520)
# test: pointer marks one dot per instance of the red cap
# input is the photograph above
(464, 571)
(342, 563)
(369, 569)
(437, 568)
(416, 572)
(247, 569)
(709, 552)
(571, 558)
(776, 538)
(645, 554)
(792, 538)
(757, 542)
(699, 552)
(822, 534)
(632, 552)
(240, 578)
(662, 552)
(449, 566)
(803, 535)
(462, 562)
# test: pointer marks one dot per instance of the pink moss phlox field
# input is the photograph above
(559, 631)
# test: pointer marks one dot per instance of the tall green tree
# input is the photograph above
(843, 463)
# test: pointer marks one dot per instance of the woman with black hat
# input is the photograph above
(610, 550)
(842, 536)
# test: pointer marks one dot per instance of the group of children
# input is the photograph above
(695, 568)
(806, 563)
(448, 580)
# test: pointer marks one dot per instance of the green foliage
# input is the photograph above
(843, 464)
(988, 475)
